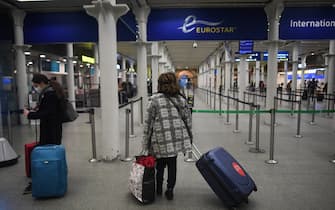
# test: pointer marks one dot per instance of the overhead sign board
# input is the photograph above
(64, 27)
(207, 24)
(307, 23)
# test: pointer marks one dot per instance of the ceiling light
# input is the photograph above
(43, 56)
(74, 62)
(27, 53)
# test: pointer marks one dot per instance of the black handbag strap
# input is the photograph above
(181, 116)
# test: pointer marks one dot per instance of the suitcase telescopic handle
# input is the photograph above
(196, 152)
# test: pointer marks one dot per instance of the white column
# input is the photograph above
(273, 11)
(295, 58)
(96, 66)
(304, 66)
(70, 75)
(242, 75)
(141, 15)
(257, 73)
(331, 67)
(124, 69)
(262, 73)
(20, 61)
(326, 67)
(285, 70)
(154, 65)
(107, 13)
(227, 69)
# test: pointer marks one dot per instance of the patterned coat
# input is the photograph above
(169, 134)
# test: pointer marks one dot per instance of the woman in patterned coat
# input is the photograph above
(166, 128)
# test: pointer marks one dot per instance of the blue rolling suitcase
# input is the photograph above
(226, 177)
(48, 171)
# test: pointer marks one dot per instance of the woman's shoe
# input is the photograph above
(169, 194)
(159, 190)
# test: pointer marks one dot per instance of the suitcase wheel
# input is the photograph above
(255, 189)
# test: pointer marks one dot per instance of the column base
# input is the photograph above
(255, 150)
(236, 131)
(93, 160)
(298, 136)
(312, 123)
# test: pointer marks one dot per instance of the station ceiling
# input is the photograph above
(181, 53)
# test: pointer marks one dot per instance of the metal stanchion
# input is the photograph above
(313, 114)
(210, 98)
(207, 96)
(126, 156)
(328, 106)
(258, 120)
(236, 119)
(94, 148)
(228, 105)
(298, 135)
(292, 107)
(132, 135)
(220, 103)
(308, 102)
(250, 142)
(272, 138)
(214, 100)
(9, 124)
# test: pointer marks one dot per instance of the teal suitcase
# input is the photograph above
(48, 171)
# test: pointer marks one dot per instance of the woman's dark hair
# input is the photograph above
(167, 84)
(41, 78)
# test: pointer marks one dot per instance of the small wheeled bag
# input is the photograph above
(48, 171)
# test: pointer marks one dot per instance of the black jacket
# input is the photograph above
(50, 114)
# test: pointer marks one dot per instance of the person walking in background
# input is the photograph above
(164, 127)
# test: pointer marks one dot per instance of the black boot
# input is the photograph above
(159, 189)
(169, 194)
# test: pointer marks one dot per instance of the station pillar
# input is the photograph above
(70, 75)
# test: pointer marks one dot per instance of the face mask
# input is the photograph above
(38, 89)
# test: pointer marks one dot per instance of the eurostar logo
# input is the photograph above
(191, 20)
(206, 27)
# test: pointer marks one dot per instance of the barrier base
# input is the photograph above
(255, 150)
(298, 136)
(132, 136)
(249, 143)
(312, 123)
(227, 123)
(127, 159)
(236, 131)
(93, 160)
(332, 161)
(271, 162)
(190, 160)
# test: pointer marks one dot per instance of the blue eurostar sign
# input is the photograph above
(207, 24)
(307, 23)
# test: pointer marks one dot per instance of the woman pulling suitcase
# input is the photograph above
(169, 134)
